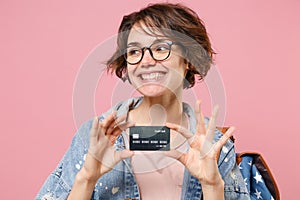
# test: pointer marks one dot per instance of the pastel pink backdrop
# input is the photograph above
(43, 44)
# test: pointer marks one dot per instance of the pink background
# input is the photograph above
(43, 44)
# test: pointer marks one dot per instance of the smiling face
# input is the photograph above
(152, 77)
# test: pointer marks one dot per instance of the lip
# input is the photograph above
(152, 76)
(150, 72)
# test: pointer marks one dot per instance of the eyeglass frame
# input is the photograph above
(170, 43)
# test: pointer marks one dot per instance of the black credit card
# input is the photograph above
(149, 138)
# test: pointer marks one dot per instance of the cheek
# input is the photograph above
(130, 70)
(179, 68)
(130, 75)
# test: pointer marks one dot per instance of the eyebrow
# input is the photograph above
(155, 41)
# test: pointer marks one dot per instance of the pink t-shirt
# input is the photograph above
(164, 183)
(158, 176)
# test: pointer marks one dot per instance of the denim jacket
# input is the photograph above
(120, 182)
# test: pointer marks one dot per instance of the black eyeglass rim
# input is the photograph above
(170, 43)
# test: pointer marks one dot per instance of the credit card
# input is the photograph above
(149, 138)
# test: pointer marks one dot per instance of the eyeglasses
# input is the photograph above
(159, 51)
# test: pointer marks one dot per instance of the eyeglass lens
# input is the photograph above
(158, 51)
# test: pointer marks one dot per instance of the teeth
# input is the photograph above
(152, 76)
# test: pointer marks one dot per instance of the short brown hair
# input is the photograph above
(179, 19)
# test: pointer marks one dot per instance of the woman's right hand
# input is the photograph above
(102, 156)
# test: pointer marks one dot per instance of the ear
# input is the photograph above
(186, 67)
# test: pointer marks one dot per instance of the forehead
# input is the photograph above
(144, 35)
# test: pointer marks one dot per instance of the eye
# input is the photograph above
(160, 48)
(133, 51)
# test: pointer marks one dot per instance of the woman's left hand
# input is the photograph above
(201, 159)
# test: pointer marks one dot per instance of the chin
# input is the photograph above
(152, 90)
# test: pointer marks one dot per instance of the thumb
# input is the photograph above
(176, 155)
(120, 155)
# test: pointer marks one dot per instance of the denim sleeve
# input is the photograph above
(59, 183)
(234, 185)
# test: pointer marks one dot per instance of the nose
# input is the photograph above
(147, 59)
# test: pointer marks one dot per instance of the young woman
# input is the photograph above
(161, 50)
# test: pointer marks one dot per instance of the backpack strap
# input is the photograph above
(264, 170)
(261, 166)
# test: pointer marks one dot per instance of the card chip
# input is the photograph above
(135, 136)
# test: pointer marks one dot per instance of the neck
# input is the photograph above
(158, 110)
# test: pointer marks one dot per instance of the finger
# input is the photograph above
(117, 131)
(110, 119)
(116, 123)
(180, 129)
(122, 124)
(122, 127)
(212, 124)
(120, 120)
(94, 131)
(181, 157)
(107, 122)
(223, 140)
(179, 142)
(120, 155)
(200, 119)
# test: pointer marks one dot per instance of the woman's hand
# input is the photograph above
(102, 156)
(201, 159)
